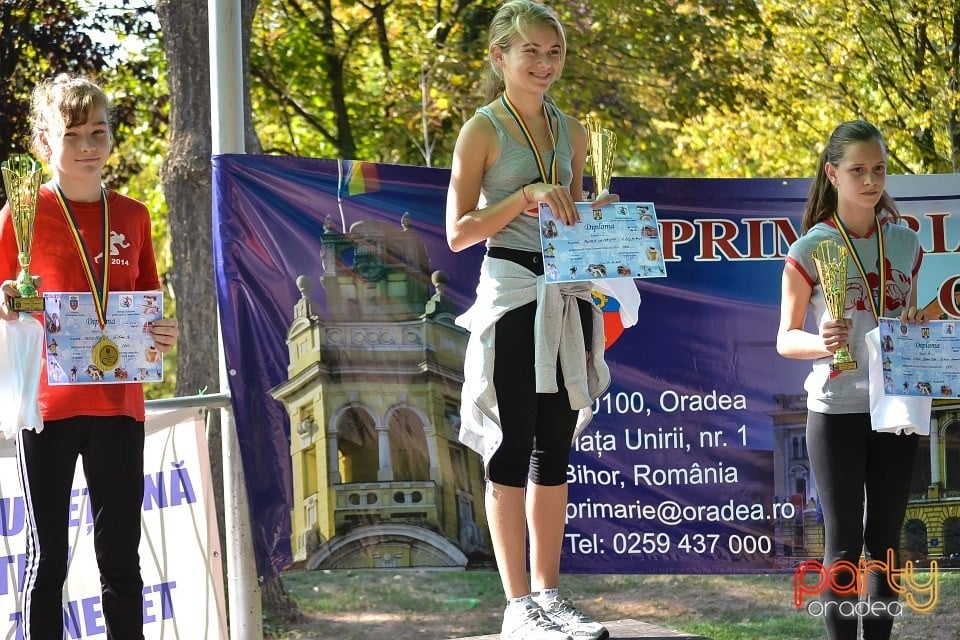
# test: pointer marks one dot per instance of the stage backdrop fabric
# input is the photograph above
(676, 471)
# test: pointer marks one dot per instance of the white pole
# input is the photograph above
(226, 119)
(226, 76)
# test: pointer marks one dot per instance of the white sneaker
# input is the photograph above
(574, 622)
(527, 621)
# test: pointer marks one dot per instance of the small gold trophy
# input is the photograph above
(21, 180)
(601, 146)
(831, 261)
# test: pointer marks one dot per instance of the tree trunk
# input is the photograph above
(186, 179)
(187, 188)
(277, 603)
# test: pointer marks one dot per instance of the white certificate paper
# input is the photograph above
(920, 359)
(618, 240)
(72, 330)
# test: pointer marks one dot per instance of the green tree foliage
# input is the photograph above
(731, 88)
(382, 81)
(645, 71)
(39, 38)
(893, 63)
(393, 81)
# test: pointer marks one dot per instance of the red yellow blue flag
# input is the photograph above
(360, 177)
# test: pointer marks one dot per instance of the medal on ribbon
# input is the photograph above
(877, 302)
(105, 354)
(548, 174)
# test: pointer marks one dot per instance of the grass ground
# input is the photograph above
(435, 605)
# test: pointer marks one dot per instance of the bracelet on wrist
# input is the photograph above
(523, 190)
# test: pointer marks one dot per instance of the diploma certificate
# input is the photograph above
(72, 330)
(617, 240)
(920, 359)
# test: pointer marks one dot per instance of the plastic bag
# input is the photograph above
(21, 356)
(889, 413)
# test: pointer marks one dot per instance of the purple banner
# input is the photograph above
(692, 463)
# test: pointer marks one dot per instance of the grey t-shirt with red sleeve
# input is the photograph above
(847, 391)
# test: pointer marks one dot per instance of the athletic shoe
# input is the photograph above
(574, 622)
(526, 621)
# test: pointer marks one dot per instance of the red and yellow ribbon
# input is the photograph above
(101, 288)
(549, 175)
(876, 305)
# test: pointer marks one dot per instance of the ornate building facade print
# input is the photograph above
(373, 393)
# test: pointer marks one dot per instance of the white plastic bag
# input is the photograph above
(21, 354)
(889, 413)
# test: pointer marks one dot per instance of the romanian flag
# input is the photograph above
(359, 177)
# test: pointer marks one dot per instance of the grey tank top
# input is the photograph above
(515, 167)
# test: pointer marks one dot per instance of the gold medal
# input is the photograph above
(106, 355)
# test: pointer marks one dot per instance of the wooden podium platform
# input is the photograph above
(625, 630)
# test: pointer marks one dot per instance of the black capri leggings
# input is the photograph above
(848, 460)
(537, 427)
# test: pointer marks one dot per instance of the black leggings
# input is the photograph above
(848, 458)
(537, 427)
(112, 452)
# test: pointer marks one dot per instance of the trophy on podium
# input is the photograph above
(831, 261)
(22, 176)
(601, 146)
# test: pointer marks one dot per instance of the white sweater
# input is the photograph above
(505, 285)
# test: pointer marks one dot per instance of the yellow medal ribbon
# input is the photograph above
(551, 175)
(99, 289)
(105, 354)
(876, 306)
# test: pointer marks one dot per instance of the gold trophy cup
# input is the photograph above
(831, 261)
(601, 146)
(21, 181)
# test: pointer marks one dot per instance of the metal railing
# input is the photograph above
(207, 401)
